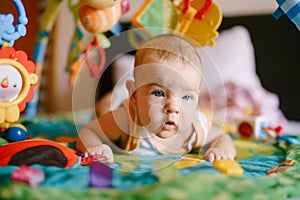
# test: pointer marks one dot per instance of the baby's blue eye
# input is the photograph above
(158, 93)
(186, 97)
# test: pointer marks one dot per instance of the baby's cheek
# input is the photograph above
(188, 115)
(155, 115)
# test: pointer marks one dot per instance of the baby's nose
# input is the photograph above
(172, 105)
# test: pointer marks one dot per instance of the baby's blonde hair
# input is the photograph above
(169, 47)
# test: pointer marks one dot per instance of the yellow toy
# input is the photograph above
(198, 19)
(229, 167)
(17, 80)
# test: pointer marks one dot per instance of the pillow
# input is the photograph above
(233, 59)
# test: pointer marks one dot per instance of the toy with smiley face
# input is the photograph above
(17, 79)
(10, 83)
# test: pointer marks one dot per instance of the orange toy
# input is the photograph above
(99, 20)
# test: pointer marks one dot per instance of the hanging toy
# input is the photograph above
(154, 17)
(8, 32)
(17, 77)
(98, 17)
(95, 19)
(198, 19)
(75, 57)
(291, 8)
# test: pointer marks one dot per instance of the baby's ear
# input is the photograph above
(130, 87)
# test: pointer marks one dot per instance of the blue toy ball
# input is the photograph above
(15, 134)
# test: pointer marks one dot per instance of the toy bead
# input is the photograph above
(16, 133)
(21, 29)
(125, 6)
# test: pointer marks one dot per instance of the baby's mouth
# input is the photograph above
(169, 125)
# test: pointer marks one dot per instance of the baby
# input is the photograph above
(161, 115)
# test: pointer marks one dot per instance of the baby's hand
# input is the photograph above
(101, 149)
(213, 154)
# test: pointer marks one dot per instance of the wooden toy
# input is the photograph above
(251, 127)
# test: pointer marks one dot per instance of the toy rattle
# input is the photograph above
(8, 32)
(17, 80)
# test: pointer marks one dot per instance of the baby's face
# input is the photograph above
(167, 97)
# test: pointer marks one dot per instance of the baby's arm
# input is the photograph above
(221, 146)
(102, 130)
(92, 142)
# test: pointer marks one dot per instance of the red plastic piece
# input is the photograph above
(93, 158)
(201, 13)
(95, 70)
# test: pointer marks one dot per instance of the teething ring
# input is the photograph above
(9, 32)
(95, 69)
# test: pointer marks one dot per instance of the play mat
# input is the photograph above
(154, 177)
(46, 165)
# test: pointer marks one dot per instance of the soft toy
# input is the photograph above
(37, 151)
